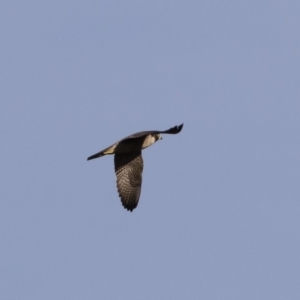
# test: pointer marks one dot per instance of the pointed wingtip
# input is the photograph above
(95, 156)
(174, 130)
(91, 157)
(178, 127)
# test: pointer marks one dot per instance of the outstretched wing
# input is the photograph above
(173, 130)
(129, 168)
(139, 135)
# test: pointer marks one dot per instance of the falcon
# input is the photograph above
(129, 163)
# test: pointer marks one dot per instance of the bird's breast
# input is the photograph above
(148, 141)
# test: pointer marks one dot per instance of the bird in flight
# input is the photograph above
(129, 162)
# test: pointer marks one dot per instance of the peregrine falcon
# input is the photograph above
(129, 163)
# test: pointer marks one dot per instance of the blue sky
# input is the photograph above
(218, 216)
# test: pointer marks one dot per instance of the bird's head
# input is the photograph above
(158, 137)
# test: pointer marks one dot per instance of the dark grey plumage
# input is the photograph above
(129, 163)
(129, 168)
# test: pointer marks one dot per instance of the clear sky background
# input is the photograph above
(219, 213)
